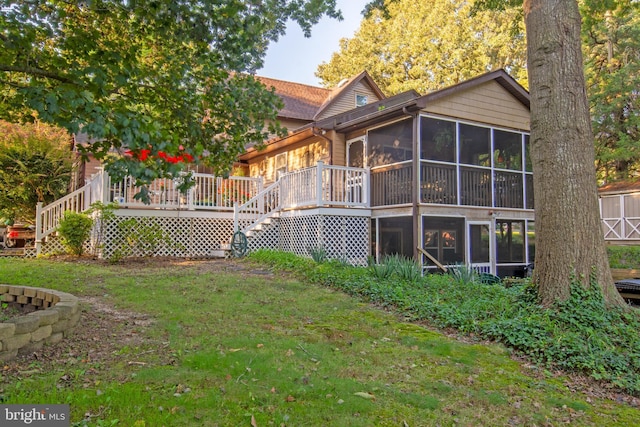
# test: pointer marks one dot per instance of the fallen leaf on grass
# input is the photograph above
(365, 395)
(290, 399)
(253, 421)
(235, 350)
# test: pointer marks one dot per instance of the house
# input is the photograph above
(443, 178)
(620, 212)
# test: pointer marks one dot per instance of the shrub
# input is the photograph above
(75, 230)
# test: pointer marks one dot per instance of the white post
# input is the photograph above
(260, 196)
(39, 226)
(366, 180)
(319, 195)
(106, 187)
(236, 215)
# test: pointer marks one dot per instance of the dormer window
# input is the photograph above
(361, 100)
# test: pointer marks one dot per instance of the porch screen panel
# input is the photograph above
(390, 144)
(396, 236)
(475, 145)
(438, 140)
(438, 183)
(507, 150)
(508, 190)
(391, 185)
(530, 199)
(475, 186)
(510, 241)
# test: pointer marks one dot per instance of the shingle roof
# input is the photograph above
(620, 187)
(305, 102)
(300, 101)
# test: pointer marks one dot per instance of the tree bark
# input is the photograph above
(569, 240)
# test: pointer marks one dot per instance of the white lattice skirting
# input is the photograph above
(341, 237)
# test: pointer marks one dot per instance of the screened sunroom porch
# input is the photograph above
(466, 196)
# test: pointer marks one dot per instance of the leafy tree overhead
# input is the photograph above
(35, 166)
(169, 76)
(611, 43)
(428, 45)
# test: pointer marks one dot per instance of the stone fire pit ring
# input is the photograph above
(52, 316)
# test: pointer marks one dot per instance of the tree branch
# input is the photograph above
(36, 72)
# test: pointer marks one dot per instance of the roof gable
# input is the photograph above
(305, 102)
(500, 76)
(345, 89)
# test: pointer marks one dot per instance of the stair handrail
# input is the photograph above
(48, 217)
(261, 206)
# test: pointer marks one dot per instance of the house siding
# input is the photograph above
(299, 156)
(347, 101)
(489, 103)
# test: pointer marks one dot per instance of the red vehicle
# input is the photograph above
(17, 236)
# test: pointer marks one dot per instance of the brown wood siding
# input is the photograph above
(488, 103)
(339, 153)
(347, 101)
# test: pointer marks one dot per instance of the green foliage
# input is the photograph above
(75, 230)
(624, 256)
(141, 237)
(580, 334)
(318, 254)
(35, 166)
(429, 45)
(165, 75)
(404, 268)
(611, 46)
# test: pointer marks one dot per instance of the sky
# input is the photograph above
(295, 58)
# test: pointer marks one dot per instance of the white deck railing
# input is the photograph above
(48, 217)
(321, 185)
(317, 186)
(325, 185)
(208, 193)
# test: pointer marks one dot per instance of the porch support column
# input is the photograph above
(415, 189)
(319, 184)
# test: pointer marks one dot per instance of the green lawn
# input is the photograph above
(240, 346)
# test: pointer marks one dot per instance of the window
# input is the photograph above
(281, 165)
(361, 100)
(443, 238)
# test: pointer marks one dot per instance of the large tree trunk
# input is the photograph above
(569, 240)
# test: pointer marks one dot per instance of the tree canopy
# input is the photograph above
(35, 166)
(611, 43)
(428, 45)
(169, 76)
